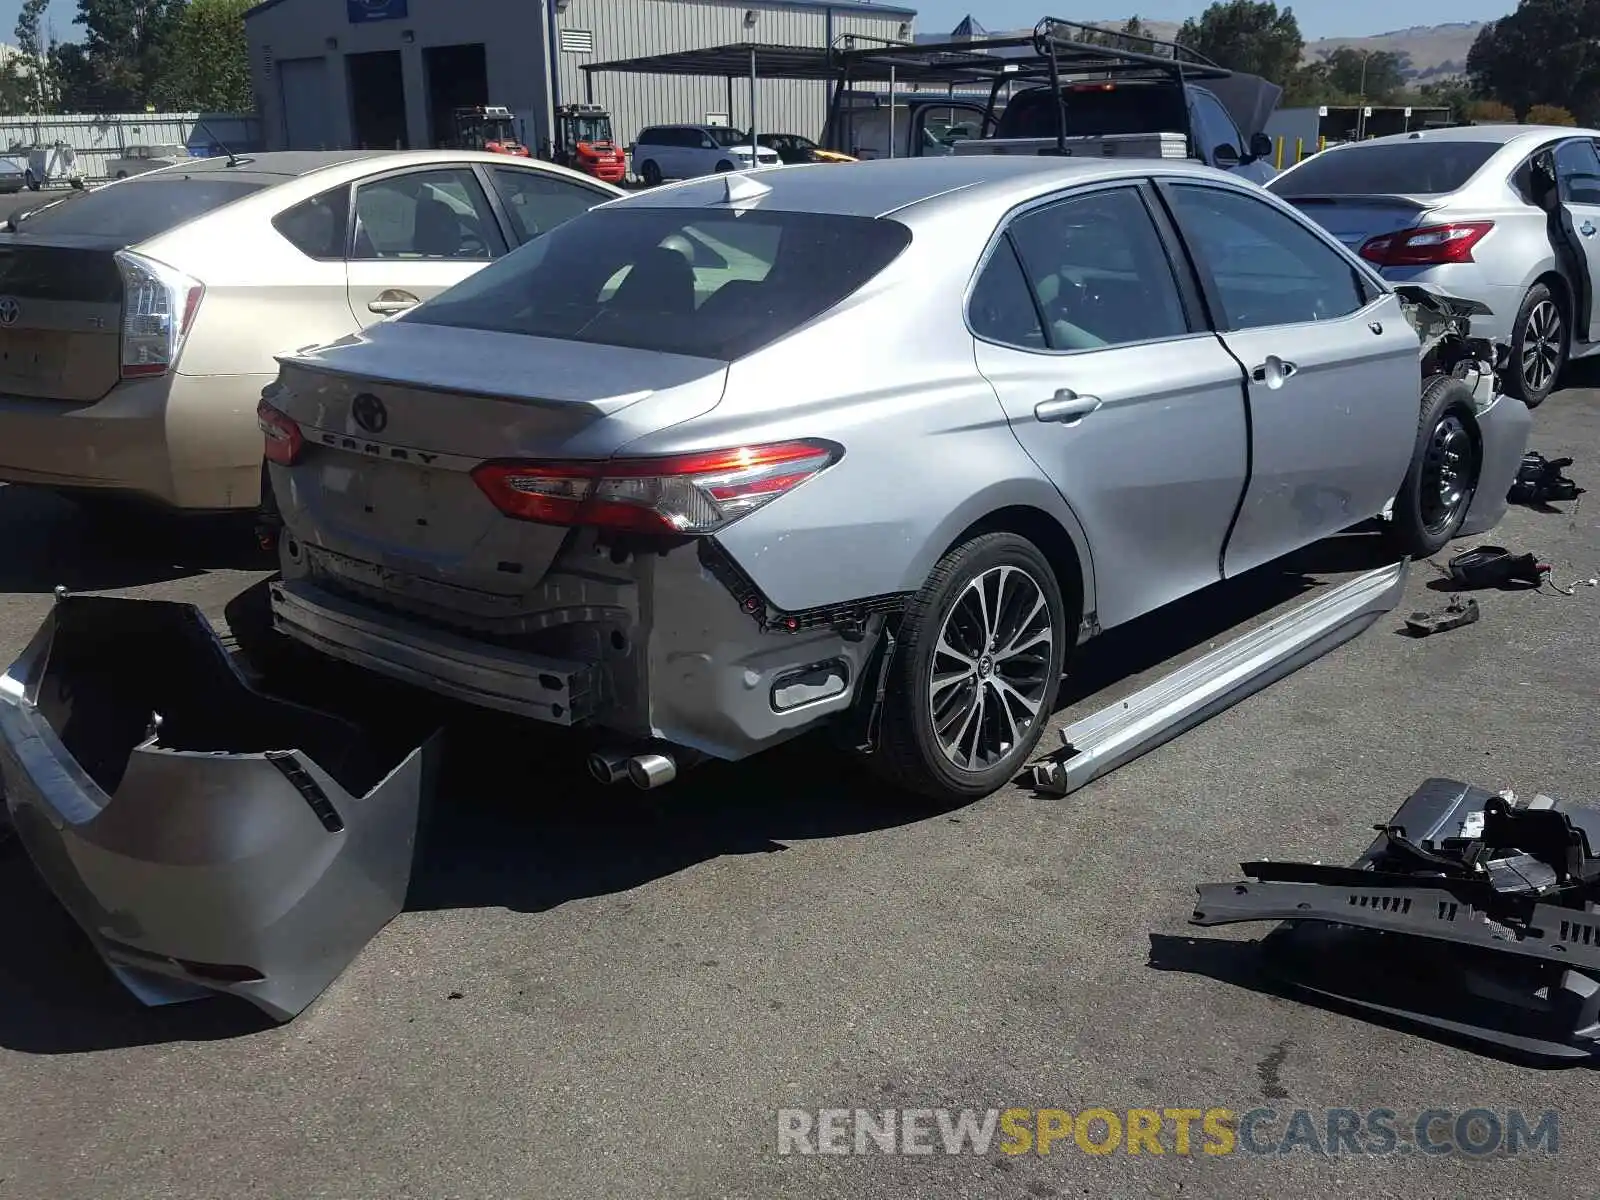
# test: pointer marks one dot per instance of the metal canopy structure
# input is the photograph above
(1053, 51)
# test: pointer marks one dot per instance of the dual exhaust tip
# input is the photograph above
(644, 771)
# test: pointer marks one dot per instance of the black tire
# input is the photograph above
(122, 174)
(724, 167)
(33, 184)
(1446, 462)
(651, 174)
(1533, 342)
(909, 752)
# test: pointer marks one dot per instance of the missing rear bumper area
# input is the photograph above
(207, 837)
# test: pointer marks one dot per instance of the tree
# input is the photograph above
(1550, 114)
(1250, 36)
(209, 65)
(26, 85)
(1491, 112)
(1374, 74)
(1546, 52)
(125, 51)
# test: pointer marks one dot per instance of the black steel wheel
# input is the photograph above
(1446, 462)
(651, 173)
(976, 670)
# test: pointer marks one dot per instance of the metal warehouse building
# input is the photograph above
(390, 73)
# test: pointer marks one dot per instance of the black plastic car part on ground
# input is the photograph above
(1469, 914)
(207, 837)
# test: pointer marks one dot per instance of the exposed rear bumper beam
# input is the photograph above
(557, 691)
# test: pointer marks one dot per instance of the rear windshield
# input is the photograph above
(676, 280)
(1094, 111)
(134, 211)
(1396, 169)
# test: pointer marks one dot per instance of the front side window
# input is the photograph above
(1578, 169)
(1099, 272)
(1268, 269)
(708, 284)
(439, 213)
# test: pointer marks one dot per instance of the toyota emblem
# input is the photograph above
(10, 310)
(369, 412)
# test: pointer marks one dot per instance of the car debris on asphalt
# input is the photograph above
(1471, 914)
(1454, 615)
(1541, 480)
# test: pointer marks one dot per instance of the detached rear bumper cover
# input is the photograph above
(1504, 424)
(206, 837)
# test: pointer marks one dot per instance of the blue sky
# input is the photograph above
(1318, 18)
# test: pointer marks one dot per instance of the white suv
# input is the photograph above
(688, 151)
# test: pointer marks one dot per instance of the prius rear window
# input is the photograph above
(681, 281)
(137, 210)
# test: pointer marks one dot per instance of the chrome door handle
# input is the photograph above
(1587, 229)
(392, 301)
(1066, 407)
(1275, 372)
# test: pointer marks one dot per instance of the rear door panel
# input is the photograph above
(1151, 451)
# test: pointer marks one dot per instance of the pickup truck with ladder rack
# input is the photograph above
(1065, 89)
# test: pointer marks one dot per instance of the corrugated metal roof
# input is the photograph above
(842, 6)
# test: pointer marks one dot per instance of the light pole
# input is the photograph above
(1361, 111)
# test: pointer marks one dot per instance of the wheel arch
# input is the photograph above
(1058, 535)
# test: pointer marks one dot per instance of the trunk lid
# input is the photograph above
(60, 318)
(383, 497)
(1355, 220)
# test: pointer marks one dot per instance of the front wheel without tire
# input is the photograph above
(1443, 476)
(976, 670)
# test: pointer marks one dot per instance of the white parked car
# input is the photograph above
(689, 151)
(136, 160)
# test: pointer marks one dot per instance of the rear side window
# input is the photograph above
(680, 281)
(1419, 168)
(317, 227)
(138, 209)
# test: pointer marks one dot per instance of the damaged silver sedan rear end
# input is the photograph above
(207, 838)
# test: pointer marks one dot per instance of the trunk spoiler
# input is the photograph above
(1398, 200)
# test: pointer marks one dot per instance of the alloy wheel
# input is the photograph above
(1541, 346)
(990, 670)
(1448, 473)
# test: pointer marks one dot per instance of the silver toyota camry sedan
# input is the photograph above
(710, 465)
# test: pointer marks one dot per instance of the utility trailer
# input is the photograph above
(1064, 90)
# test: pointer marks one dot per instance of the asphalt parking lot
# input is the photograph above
(608, 993)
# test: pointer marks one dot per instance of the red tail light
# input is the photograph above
(1430, 245)
(284, 440)
(682, 493)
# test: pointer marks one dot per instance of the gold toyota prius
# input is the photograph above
(138, 321)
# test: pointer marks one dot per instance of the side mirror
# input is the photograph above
(1225, 156)
(1261, 146)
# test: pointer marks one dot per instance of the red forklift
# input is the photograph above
(584, 143)
(487, 127)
